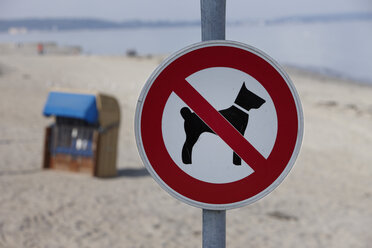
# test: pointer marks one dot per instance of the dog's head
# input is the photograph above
(247, 99)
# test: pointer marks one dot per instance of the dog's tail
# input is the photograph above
(185, 112)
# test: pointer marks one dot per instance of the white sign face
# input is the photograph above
(219, 125)
(211, 153)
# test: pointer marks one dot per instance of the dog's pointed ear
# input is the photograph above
(244, 86)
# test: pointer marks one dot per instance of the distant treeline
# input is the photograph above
(53, 24)
(321, 18)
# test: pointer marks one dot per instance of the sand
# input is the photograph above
(324, 202)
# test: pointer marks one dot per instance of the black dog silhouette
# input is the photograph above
(236, 114)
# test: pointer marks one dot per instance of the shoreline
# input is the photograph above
(54, 48)
(326, 76)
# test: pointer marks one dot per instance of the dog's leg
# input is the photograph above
(241, 128)
(236, 159)
(187, 148)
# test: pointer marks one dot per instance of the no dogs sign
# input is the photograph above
(219, 125)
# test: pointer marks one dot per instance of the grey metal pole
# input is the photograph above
(213, 19)
(214, 228)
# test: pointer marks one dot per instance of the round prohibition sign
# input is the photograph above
(170, 77)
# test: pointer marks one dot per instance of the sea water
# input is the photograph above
(341, 48)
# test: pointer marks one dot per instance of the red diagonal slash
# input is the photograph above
(219, 125)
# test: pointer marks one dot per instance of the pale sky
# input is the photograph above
(119, 10)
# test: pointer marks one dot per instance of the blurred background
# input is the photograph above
(330, 37)
(112, 47)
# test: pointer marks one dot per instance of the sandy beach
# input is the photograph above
(326, 201)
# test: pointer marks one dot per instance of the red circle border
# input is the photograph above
(152, 111)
